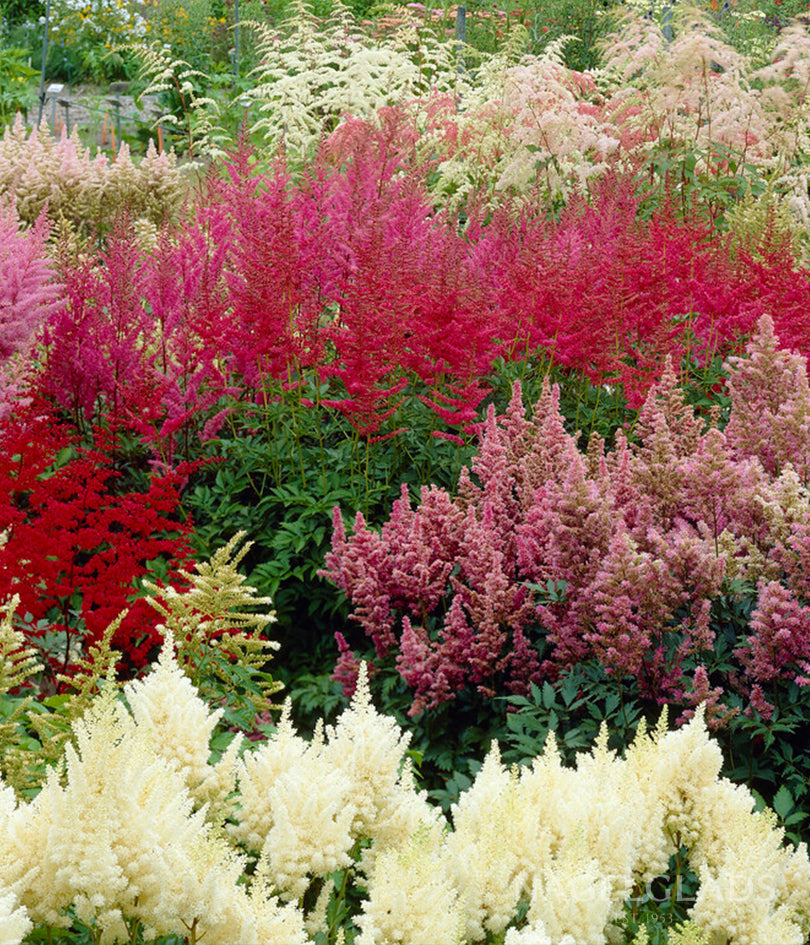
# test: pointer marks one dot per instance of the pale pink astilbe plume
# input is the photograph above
(59, 174)
(627, 498)
(779, 646)
(668, 432)
(633, 602)
(424, 545)
(770, 404)
(519, 455)
(428, 668)
(564, 537)
(695, 573)
(494, 495)
(29, 292)
(693, 92)
(718, 492)
(567, 531)
(494, 601)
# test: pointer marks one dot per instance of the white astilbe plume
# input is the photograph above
(166, 706)
(403, 813)
(14, 921)
(370, 748)
(313, 812)
(257, 772)
(485, 844)
(120, 841)
(313, 71)
(412, 899)
(752, 887)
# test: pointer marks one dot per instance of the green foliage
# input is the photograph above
(573, 707)
(221, 642)
(281, 470)
(17, 92)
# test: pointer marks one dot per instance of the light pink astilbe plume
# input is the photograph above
(29, 292)
(770, 404)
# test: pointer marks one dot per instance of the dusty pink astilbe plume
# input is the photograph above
(633, 597)
(780, 643)
(715, 490)
(618, 557)
(770, 404)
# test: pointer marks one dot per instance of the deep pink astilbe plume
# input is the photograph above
(96, 340)
(29, 292)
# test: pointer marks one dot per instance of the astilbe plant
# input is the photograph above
(642, 538)
(75, 544)
(60, 177)
(336, 829)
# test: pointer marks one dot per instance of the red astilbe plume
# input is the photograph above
(607, 290)
(282, 273)
(74, 546)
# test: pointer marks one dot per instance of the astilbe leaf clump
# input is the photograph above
(643, 539)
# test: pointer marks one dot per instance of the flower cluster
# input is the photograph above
(545, 853)
(642, 538)
(61, 178)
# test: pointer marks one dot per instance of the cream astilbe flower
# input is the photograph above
(489, 820)
(120, 840)
(654, 845)
(596, 810)
(370, 749)
(219, 909)
(752, 888)
(257, 772)
(412, 899)
(14, 921)
(688, 761)
(313, 812)
(166, 705)
(573, 899)
(403, 813)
